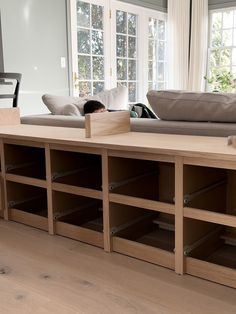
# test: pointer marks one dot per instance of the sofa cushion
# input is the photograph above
(56, 104)
(141, 125)
(70, 110)
(193, 106)
(115, 99)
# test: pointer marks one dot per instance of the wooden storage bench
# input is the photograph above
(165, 199)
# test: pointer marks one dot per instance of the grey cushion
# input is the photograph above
(54, 120)
(190, 106)
(142, 125)
(115, 98)
(56, 104)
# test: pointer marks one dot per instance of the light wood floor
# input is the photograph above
(42, 274)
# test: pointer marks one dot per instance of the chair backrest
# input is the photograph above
(11, 76)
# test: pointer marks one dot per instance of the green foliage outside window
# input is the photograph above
(222, 52)
(222, 80)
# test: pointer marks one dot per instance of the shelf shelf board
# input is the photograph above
(210, 271)
(28, 219)
(144, 252)
(26, 180)
(209, 216)
(79, 233)
(143, 203)
(81, 191)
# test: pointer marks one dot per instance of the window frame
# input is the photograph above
(210, 48)
(110, 6)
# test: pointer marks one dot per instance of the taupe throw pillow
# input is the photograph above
(193, 106)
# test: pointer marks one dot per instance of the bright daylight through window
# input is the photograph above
(222, 51)
(115, 43)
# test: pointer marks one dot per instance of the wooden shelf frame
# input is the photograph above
(179, 151)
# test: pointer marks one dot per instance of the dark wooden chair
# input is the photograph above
(6, 79)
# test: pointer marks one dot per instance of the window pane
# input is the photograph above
(84, 89)
(83, 41)
(227, 38)
(151, 49)
(216, 20)
(98, 87)
(121, 84)
(216, 39)
(132, 70)
(161, 30)
(215, 58)
(234, 71)
(152, 28)
(97, 17)
(234, 56)
(98, 68)
(161, 76)
(234, 36)
(90, 48)
(161, 51)
(225, 57)
(121, 69)
(132, 47)
(228, 19)
(132, 92)
(150, 70)
(161, 86)
(121, 46)
(97, 42)
(121, 22)
(156, 53)
(151, 86)
(131, 24)
(234, 18)
(84, 67)
(83, 14)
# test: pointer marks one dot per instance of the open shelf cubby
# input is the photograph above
(78, 217)
(209, 189)
(25, 161)
(144, 234)
(27, 204)
(76, 169)
(142, 179)
(210, 249)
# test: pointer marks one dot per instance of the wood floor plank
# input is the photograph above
(44, 274)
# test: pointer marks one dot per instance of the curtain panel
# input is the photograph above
(187, 52)
(198, 45)
(178, 43)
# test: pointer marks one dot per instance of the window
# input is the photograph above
(157, 78)
(115, 43)
(126, 52)
(222, 50)
(90, 48)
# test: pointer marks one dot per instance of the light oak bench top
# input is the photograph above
(179, 145)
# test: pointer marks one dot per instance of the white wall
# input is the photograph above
(34, 37)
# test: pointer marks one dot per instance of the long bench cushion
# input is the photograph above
(142, 125)
(193, 106)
